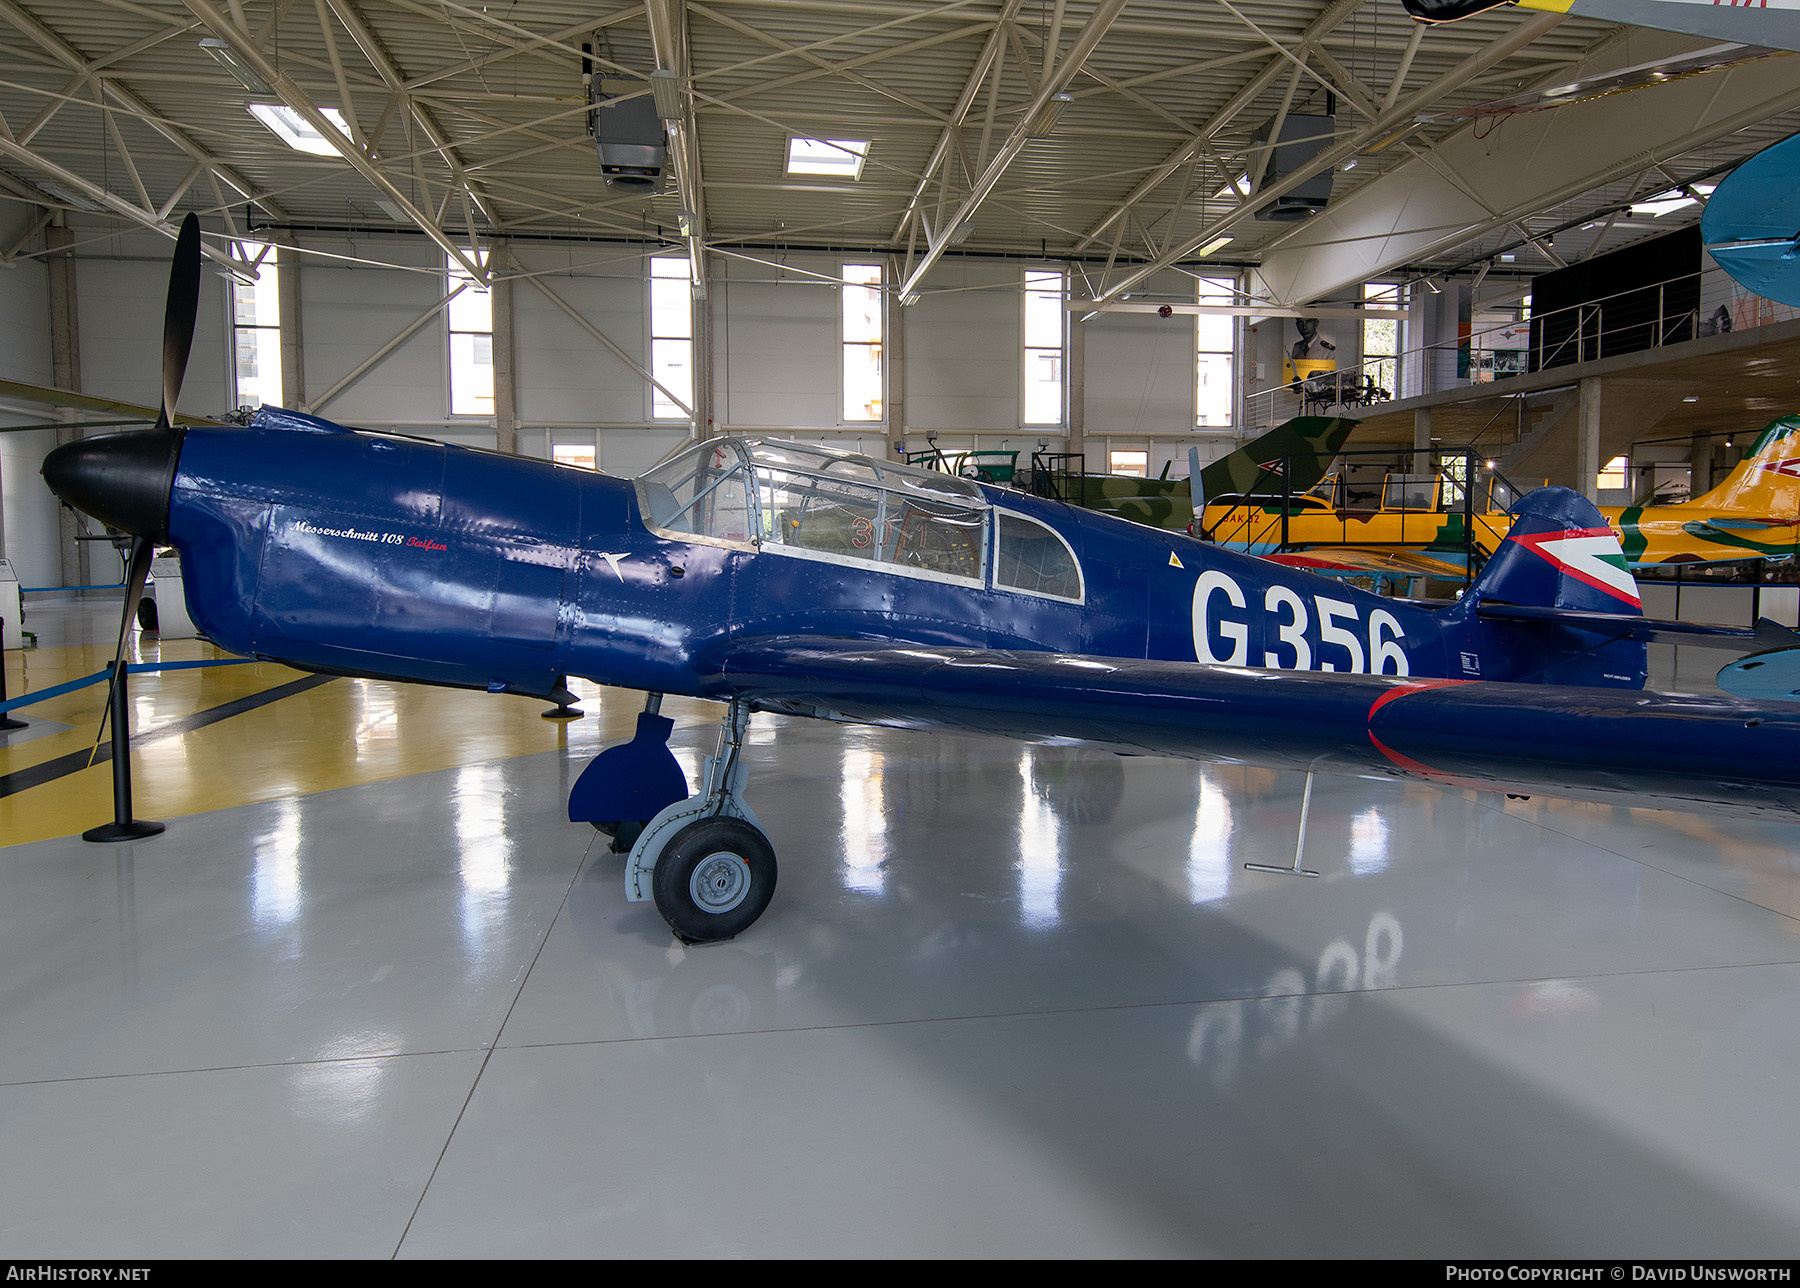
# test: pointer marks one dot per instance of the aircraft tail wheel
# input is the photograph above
(714, 879)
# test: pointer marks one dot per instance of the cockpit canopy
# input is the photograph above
(799, 499)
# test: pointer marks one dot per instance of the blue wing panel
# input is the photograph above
(1602, 743)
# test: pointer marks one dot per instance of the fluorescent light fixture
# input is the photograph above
(1048, 115)
(1349, 165)
(841, 157)
(295, 131)
(665, 89)
(242, 72)
(67, 195)
(393, 211)
(1213, 245)
(1433, 287)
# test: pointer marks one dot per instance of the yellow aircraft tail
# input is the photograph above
(1766, 483)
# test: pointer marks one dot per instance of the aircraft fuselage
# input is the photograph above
(379, 555)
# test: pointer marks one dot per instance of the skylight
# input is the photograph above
(294, 130)
(1671, 203)
(841, 157)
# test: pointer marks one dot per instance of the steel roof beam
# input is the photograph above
(296, 98)
(1397, 118)
(1054, 80)
(88, 69)
(1188, 152)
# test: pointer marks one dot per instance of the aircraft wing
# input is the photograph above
(1606, 744)
(1403, 561)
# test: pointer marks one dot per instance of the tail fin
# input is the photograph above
(1559, 553)
(1766, 483)
(1308, 443)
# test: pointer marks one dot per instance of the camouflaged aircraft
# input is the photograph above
(1304, 446)
(1414, 525)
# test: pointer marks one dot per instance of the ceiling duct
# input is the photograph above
(1302, 138)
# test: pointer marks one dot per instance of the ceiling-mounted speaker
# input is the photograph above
(1303, 137)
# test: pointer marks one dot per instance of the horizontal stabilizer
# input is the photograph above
(1765, 634)
(1764, 677)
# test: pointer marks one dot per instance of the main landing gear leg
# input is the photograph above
(705, 860)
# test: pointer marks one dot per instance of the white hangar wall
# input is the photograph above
(954, 359)
(28, 523)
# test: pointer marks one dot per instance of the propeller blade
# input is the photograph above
(179, 313)
(142, 550)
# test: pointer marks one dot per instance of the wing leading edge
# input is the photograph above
(1689, 751)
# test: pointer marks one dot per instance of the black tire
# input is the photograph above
(714, 879)
(147, 614)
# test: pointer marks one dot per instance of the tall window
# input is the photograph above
(671, 336)
(1043, 331)
(862, 322)
(256, 330)
(471, 343)
(1381, 338)
(1214, 336)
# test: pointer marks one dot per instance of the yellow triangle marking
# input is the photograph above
(1174, 560)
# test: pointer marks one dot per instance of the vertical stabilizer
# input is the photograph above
(1559, 553)
(1766, 483)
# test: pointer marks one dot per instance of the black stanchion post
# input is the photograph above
(123, 827)
(6, 720)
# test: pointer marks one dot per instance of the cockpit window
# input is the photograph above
(1031, 557)
(701, 492)
(815, 501)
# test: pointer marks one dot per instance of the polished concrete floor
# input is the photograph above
(1008, 1002)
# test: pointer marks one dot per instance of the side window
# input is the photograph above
(1030, 557)
(828, 515)
(936, 537)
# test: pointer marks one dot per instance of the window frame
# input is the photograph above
(1383, 293)
(1230, 284)
(453, 273)
(994, 558)
(1027, 349)
(652, 395)
(271, 283)
(845, 344)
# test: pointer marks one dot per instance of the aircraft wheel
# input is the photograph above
(713, 880)
(147, 613)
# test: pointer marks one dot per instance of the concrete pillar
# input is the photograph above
(506, 394)
(1422, 429)
(293, 348)
(1700, 454)
(705, 424)
(1076, 366)
(1587, 438)
(65, 369)
(893, 353)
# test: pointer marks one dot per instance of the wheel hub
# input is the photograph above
(720, 882)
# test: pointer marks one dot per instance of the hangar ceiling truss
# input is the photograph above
(1117, 133)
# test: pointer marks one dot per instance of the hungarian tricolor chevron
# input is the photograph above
(1591, 556)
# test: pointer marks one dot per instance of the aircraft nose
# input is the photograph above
(123, 480)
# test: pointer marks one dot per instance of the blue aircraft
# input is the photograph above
(781, 577)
